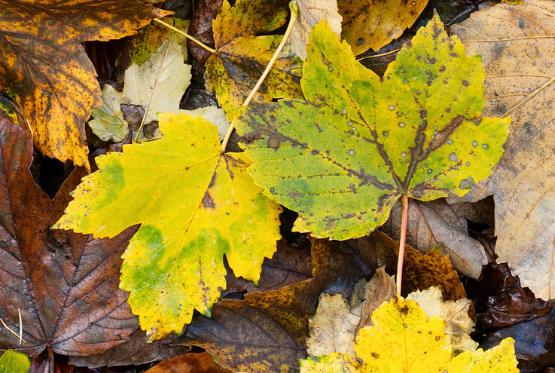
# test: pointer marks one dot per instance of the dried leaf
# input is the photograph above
(345, 156)
(373, 24)
(65, 285)
(108, 123)
(458, 324)
(311, 12)
(174, 263)
(516, 44)
(42, 60)
(189, 363)
(437, 223)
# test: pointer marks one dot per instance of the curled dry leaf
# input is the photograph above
(43, 62)
(373, 23)
(437, 223)
(311, 12)
(516, 44)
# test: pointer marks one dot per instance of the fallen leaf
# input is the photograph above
(342, 158)
(516, 44)
(404, 339)
(246, 339)
(65, 285)
(42, 60)
(333, 327)
(189, 363)
(14, 362)
(332, 363)
(373, 24)
(201, 28)
(436, 224)
(501, 301)
(311, 12)
(109, 123)
(212, 114)
(458, 324)
(159, 83)
(242, 54)
(174, 263)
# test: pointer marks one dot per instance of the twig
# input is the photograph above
(181, 32)
(525, 100)
(379, 55)
(294, 12)
(402, 240)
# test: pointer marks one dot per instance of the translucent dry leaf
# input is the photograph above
(344, 156)
(517, 45)
(195, 204)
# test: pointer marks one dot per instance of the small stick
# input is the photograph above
(294, 12)
(181, 32)
(379, 55)
(402, 240)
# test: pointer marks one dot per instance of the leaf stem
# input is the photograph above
(181, 32)
(402, 241)
(294, 12)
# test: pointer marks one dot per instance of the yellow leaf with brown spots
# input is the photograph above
(43, 62)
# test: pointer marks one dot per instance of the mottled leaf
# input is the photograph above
(42, 60)
(373, 23)
(495, 360)
(242, 54)
(14, 362)
(516, 44)
(193, 203)
(189, 363)
(332, 363)
(345, 156)
(108, 123)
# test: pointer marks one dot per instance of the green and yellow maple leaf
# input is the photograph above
(195, 204)
(404, 339)
(242, 54)
(344, 156)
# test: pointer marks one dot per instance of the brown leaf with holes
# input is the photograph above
(43, 62)
(516, 44)
(64, 284)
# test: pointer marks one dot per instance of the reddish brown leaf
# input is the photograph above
(64, 284)
(189, 363)
(502, 301)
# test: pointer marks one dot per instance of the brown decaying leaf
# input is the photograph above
(288, 266)
(516, 44)
(534, 342)
(201, 28)
(64, 284)
(189, 363)
(43, 62)
(374, 23)
(437, 223)
(501, 301)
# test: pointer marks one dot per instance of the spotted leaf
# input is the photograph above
(195, 204)
(343, 157)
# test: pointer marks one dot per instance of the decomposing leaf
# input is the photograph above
(246, 339)
(65, 285)
(501, 301)
(241, 55)
(174, 263)
(336, 321)
(438, 224)
(189, 363)
(14, 362)
(42, 60)
(345, 156)
(516, 44)
(458, 324)
(373, 24)
(311, 12)
(333, 327)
